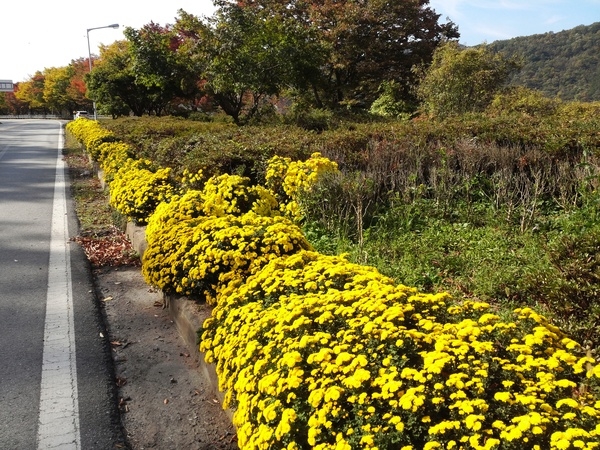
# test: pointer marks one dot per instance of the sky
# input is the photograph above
(482, 21)
(40, 34)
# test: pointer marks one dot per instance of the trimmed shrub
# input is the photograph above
(91, 135)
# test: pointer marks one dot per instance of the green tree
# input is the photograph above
(367, 42)
(163, 62)
(390, 102)
(463, 80)
(253, 56)
(153, 63)
(113, 84)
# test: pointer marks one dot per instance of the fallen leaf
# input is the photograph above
(107, 299)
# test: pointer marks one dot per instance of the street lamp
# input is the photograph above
(114, 25)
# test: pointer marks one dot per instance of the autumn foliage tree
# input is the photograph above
(31, 92)
(77, 89)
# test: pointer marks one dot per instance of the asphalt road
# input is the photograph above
(56, 378)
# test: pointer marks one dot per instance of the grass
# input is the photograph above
(94, 213)
(553, 267)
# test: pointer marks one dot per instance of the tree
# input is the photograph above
(12, 105)
(153, 63)
(55, 93)
(368, 42)
(252, 57)
(112, 82)
(77, 89)
(3, 103)
(390, 102)
(162, 60)
(463, 80)
(31, 92)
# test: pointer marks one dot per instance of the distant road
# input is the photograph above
(56, 380)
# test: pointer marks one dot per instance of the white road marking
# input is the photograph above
(58, 426)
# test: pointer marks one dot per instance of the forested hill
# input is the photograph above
(564, 64)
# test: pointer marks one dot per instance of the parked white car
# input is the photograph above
(80, 114)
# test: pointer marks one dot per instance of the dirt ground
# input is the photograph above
(164, 399)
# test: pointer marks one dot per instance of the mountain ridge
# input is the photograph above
(564, 64)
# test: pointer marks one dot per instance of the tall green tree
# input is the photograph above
(153, 63)
(113, 83)
(367, 42)
(461, 80)
(253, 56)
(162, 62)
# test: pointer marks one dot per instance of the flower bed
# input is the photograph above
(315, 352)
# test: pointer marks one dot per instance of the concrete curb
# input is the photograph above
(187, 314)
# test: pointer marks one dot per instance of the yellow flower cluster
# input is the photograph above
(91, 135)
(179, 209)
(316, 352)
(234, 194)
(291, 180)
(201, 240)
(137, 189)
(201, 256)
(112, 156)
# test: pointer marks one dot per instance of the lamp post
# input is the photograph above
(114, 25)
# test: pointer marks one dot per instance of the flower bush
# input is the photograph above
(180, 208)
(315, 352)
(91, 135)
(171, 227)
(112, 156)
(137, 188)
(290, 180)
(234, 194)
(200, 256)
